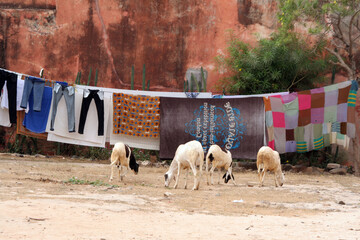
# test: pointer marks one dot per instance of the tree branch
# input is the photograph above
(350, 32)
(338, 26)
(356, 37)
(335, 44)
(337, 30)
(293, 81)
(341, 61)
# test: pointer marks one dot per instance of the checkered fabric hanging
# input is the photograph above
(136, 115)
(312, 119)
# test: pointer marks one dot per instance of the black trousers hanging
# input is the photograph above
(11, 85)
(85, 108)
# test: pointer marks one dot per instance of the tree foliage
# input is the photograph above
(280, 63)
(337, 21)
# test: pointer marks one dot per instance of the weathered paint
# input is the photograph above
(169, 36)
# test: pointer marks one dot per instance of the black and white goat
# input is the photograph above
(187, 156)
(123, 158)
(219, 159)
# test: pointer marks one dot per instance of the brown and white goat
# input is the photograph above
(269, 160)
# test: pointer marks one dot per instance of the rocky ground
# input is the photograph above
(61, 198)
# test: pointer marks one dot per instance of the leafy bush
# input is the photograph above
(280, 63)
(23, 145)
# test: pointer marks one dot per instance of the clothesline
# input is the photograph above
(124, 115)
(112, 90)
(156, 93)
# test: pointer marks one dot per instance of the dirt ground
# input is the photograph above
(40, 200)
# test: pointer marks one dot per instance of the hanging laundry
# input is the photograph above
(235, 124)
(61, 134)
(36, 86)
(69, 94)
(36, 121)
(4, 117)
(136, 115)
(20, 129)
(312, 119)
(19, 92)
(144, 142)
(88, 96)
(11, 80)
(89, 137)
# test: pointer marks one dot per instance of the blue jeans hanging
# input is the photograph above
(69, 95)
(37, 85)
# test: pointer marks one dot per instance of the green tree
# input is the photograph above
(280, 63)
(336, 21)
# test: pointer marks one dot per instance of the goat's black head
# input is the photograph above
(133, 165)
(211, 157)
(227, 177)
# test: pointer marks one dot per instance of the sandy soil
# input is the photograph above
(37, 201)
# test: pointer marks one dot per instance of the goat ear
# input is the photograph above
(224, 175)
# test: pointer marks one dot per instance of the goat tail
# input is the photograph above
(260, 167)
(114, 159)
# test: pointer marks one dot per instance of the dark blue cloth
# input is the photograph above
(62, 83)
(36, 121)
(354, 85)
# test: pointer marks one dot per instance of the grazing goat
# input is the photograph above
(219, 159)
(187, 156)
(268, 159)
(123, 158)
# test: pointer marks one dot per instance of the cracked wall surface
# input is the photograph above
(168, 36)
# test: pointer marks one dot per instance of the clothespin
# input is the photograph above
(41, 73)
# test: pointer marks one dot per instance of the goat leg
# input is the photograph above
(178, 176)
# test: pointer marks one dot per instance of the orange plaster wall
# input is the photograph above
(168, 36)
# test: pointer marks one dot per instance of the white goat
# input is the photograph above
(268, 159)
(187, 156)
(123, 158)
(219, 159)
